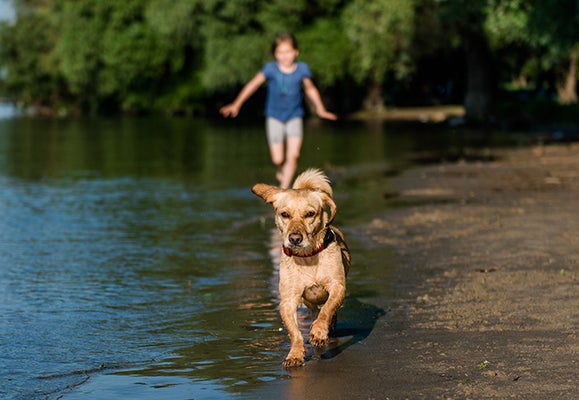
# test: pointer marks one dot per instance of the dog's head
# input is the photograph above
(301, 213)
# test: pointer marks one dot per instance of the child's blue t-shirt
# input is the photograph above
(284, 91)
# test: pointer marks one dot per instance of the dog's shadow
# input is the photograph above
(356, 320)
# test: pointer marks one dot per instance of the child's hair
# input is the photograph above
(284, 37)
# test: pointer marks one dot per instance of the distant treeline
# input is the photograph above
(186, 56)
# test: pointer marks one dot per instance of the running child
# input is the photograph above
(287, 81)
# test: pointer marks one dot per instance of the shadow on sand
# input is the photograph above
(356, 320)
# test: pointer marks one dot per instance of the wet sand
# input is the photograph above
(488, 304)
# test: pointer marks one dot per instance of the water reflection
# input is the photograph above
(124, 272)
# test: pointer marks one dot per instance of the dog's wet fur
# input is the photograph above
(315, 258)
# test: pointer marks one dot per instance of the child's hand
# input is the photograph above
(230, 110)
(327, 115)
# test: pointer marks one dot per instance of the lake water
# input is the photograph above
(135, 263)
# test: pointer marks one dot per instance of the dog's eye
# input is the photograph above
(285, 214)
(310, 214)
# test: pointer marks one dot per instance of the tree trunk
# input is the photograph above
(567, 89)
(374, 101)
(480, 81)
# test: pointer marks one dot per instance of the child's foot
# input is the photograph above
(279, 174)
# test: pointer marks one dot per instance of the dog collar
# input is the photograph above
(328, 239)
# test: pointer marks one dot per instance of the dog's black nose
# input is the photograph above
(295, 238)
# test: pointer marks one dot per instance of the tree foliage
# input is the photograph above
(174, 55)
(380, 32)
(28, 59)
(544, 36)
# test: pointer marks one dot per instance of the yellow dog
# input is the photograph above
(315, 258)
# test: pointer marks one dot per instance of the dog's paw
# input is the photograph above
(294, 359)
(318, 341)
(319, 335)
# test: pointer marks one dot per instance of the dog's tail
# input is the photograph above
(313, 179)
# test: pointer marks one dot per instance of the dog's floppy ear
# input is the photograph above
(333, 208)
(267, 192)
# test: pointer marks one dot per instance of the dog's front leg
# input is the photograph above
(288, 310)
(321, 326)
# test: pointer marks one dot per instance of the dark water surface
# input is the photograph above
(135, 262)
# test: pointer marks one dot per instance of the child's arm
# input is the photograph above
(314, 95)
(232, 109)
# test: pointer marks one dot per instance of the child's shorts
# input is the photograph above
(277, 130)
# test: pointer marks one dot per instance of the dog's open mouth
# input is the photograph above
(293, 249)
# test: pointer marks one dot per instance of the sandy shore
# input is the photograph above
(489, 296)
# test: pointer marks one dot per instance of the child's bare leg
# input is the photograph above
(288, 170)
(277, 157)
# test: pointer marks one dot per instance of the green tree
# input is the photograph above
(545, 36)
(29, 63)
(327, 50)
(124, 53)
(381, 33)
(97, 55)
(172, 55)
(177, 23)
(465, 20)
(79, 48)
(554, 28)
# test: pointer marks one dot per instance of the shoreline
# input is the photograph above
(487, 256)
(426, 114)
